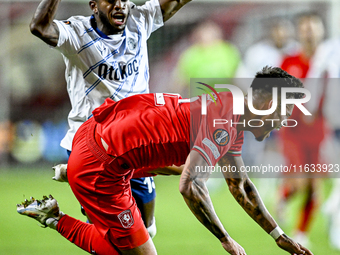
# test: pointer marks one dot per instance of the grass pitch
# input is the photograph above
(178, 231)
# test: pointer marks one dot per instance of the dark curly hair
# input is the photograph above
(270, 77)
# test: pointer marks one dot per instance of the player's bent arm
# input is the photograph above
(42, 24)
(170, 7)
(193, 188)
(246, 194)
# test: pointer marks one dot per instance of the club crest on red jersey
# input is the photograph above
(126, 219)
(221, 137)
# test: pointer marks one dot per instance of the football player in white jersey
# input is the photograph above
(105, 56)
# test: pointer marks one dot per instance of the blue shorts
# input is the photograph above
(143, 189)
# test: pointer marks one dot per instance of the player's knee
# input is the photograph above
(152, 228)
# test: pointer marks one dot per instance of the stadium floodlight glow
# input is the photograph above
(238, 100)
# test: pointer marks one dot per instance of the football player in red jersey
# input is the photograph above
(301, 146)
(132, 137)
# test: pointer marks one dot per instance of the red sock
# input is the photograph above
(85, 236)
(306, 215)
(286, 192)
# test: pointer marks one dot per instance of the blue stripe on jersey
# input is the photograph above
(135, 78)
(144, 91)
(95, 84)
(146, 74)
(133, 82)
(88, 30)
(101, 34)
(121, 84)
(89, 44)
(146, 77)
(119, 88)
(100, 62)
(137, 54)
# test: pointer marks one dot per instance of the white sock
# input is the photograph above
(152, 228)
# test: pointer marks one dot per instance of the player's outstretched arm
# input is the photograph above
(170, 7)
(193, 188)
(287, 244)
(246, 194)
(42, 24)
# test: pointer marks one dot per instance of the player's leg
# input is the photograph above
(310, 187)
(309, 205)
(294, 155)
(122, 227)
(290, 184)
(143, 190)
(84, 235)
(102, 187)
(144, 193)
(124, 231)
(147, 248)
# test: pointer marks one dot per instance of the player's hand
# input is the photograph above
(231, 246)
(287, 244)
(60, 173)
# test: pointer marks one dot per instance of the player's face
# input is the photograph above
(280, 34)
(311, 30)
(113, 15)
(273, 121)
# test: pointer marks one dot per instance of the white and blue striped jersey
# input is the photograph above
(100, 66)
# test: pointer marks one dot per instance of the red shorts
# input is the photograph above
(104, 193)
(301, 156)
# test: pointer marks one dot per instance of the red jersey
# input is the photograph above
(301, 144)
(157, 130)
(213, 140)
(297, 65)
(142, 132)
(309, 133)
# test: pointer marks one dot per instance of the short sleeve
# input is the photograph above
(212, 142)
(68, 42)
(152, 15)
(216, 135)
(236, 148)
(208, 149)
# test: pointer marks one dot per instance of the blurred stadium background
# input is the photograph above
(34, 106)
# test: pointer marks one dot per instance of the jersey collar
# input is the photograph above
(100, 33)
